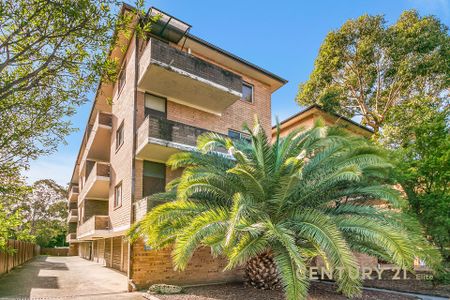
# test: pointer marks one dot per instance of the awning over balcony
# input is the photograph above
(167, 27)
(187, 79)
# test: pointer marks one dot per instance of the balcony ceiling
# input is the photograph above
(156, 152)
(98, 147)
(99, 189)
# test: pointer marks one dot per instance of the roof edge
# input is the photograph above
(315, 105)
(235, 57)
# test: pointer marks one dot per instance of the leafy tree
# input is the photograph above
(52, 54)
(382, 73)
(12, 228)
(46, 213)
(423, 171)
(307, 195)
(12, 190)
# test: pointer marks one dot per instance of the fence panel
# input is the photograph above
(23, 251)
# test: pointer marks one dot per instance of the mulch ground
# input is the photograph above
(416, 283)
(412, 286)
(237, 291)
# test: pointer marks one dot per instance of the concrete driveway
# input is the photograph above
(52, 277)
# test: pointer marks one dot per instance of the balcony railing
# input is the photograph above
(71, 237)
(143, 206)
(187, 79)
(96, 226)
(98, 138)
(97, 181)
(73, 215)
(161, 133)
(172, 131)
(73, 193)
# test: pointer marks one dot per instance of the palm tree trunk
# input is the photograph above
(261, 272)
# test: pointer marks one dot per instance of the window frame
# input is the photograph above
(119, 130)
(252, 87)
(121, 83)
(116, 203)
(143, 176)
(241, 135)
(156, 113)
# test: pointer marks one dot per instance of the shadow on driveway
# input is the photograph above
(61, 277)
(22, 279)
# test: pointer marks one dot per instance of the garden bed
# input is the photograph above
(412, 286)
(318, 291)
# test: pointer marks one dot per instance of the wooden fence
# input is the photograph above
(23, 252)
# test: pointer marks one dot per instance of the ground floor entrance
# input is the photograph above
(110, 252)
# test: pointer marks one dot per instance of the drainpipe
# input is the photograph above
(131, 285)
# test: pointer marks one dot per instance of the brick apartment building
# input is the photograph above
(172, 87)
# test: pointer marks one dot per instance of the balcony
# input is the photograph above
(73, 215)
(187, 79)
(73, 193)
(94, 228)
(96, 185)
(143, 206)
(99, 138)
(71, 237)
(158, 138)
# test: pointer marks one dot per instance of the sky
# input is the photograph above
(280, 36)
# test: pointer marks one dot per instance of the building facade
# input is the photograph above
(172, 87)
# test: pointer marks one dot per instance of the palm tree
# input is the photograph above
(277, 206)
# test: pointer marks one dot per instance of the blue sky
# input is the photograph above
(280, 36)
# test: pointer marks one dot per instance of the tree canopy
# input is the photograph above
(309, 194)
(423, 170)
(35, 213)
(381, 73)
(52, 54)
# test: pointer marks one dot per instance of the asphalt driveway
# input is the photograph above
(56, 277)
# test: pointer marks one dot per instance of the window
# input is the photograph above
(154, 178)
(155, 105)
(119, 136)
(122, 78)
(118, 195)
(247, 92)
(237, 135)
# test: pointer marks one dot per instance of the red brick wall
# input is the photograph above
(121, 158)
(73, 249)
(155, 266)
